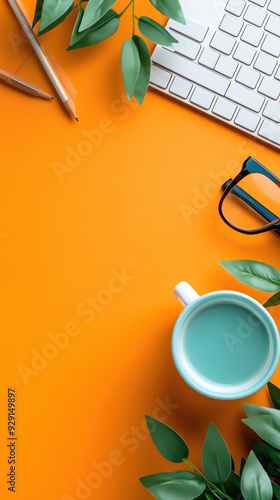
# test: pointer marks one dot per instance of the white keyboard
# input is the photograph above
(231, 73)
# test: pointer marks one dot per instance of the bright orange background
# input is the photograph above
(120, 206)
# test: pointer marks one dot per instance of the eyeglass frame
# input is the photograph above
(250, 166)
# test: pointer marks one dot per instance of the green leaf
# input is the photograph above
(255, 410)
(142, 83)
(267, 427)
(38, 12)
(94, 11)
(178, 485)
(274, 393)
(103, 29)
(268, 457)
(253, 273)
(170, 444)
(170, 8)
(232, 485)
(276, 491)
(242, 463)
(155, 32)
(216, 459)
(53, 13)
(205, 495)
(130, 65)
(255, 483)
(273, 301)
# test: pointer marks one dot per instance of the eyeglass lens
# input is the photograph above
(257, 189)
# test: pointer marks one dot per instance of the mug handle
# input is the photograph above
(185, 293)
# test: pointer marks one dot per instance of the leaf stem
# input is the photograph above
(133, 17)
(79, 4)
(222, 487)
(210, 485)
(125, 9)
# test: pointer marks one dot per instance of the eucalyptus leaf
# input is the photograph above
(255, 483)
(103, 29)
(155, 32)
(216, 459)
(94, 11)
(170, 444)
(142, 83)
(170, 9)
(274, 393)
(53, 13)
(268, 457)
(273, 301)
(254, 273)
(267, 427)
(130, 66)
(178, 485)
(38, 12)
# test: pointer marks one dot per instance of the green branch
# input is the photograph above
(210, 485)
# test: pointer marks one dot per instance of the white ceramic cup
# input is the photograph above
(225, 344)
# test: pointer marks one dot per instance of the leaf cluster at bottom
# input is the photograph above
(257, 477)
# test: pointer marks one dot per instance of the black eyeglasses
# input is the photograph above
(250, 202)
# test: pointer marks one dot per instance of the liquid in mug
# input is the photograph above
(226, 343)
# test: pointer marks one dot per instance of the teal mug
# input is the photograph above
(225, 344)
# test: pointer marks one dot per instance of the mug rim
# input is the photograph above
(230, 391)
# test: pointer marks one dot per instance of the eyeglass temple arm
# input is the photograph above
(244, 196)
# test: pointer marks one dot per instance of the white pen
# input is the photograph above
(67, 102)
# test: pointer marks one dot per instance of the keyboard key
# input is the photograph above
(277, 74)
(261, 3)
(270, 88)
(224, 108)
(247, 119)
(180, 87)
(226, 66)
(273, 25)
(274, 6)
(244, 53)
(255, 15)
(223, 43)
(252, 35)
(270, 131)
(265, 63)
(208, 58)
(248, 77)
(271, 45)
(202, 98)
(244, 97)
(190, 70)
(272, 111)
(192, 29)
(186, 47)
(159, 77)
(235, 7)
(231, 25)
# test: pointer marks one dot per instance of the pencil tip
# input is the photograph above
(77, 119)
